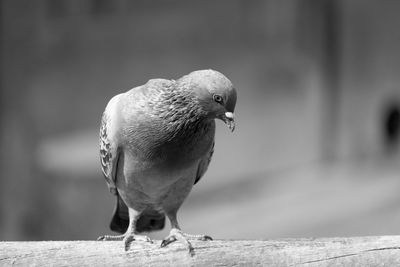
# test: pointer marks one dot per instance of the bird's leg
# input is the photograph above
(177, 234)
(130, 234)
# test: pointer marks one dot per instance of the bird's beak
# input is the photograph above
(229, 119)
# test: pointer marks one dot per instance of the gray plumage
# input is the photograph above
(156, 142)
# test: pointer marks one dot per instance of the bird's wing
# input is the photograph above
(204, 162)
(109, 157)
(109, 153)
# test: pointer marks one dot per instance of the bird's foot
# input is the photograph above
(110, 237)
(127, 238)
(132, 237)
(176, 234)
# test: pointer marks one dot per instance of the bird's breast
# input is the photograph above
(154, 183)
(169, 146)
(155, 160)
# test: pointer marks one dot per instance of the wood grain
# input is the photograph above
(350, 251)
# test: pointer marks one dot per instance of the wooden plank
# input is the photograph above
(350, 251)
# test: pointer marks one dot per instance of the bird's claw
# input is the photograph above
(101, 238)
(191, 250)
(129, 238)
(168, 240)
(176, 234)
(110, 237)
(127, 242)
(198, 237)
(205, 238)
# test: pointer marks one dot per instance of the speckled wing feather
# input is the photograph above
(109, 144)
(105, 153)
(203, 165)
(109, 157)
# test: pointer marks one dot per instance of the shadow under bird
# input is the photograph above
(156, 142)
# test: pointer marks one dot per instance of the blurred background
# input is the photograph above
(316, 150)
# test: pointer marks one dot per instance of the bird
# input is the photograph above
(156, 143)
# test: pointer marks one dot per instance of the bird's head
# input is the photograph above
(215, 94)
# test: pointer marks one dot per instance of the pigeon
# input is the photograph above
(156, 142)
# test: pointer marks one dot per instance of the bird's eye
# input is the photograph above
(218, 99)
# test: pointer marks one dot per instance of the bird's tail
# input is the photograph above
(120, 220)
(148, 221)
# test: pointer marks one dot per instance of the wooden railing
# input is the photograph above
(349, 251)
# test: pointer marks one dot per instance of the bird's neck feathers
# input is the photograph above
(178, 109)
